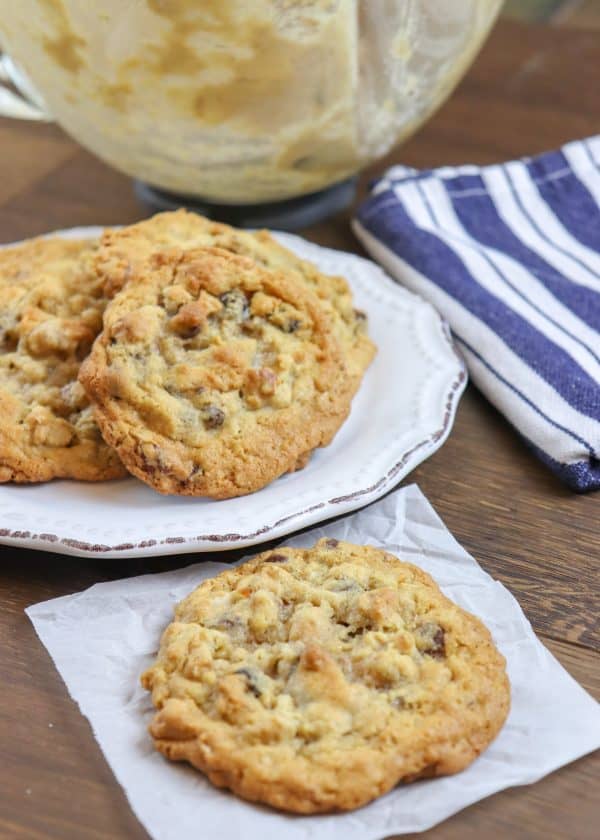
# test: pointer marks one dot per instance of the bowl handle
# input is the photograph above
(18, 98)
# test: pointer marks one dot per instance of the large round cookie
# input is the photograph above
(214, 376)
(315, 680)
(51, 304)
(124, 252)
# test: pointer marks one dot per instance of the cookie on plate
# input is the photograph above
(51, 304)
(123, 253)
(214, 376)
(316, 679)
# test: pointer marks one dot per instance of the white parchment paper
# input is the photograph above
(102, 639)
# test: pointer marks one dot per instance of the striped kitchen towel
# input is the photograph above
(510, 255)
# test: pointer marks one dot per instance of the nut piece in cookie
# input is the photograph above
(200, 384)
(317, 679)
(51, 305)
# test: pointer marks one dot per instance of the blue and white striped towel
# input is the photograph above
(510, 255)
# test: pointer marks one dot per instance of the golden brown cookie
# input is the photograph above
(214, 376)
(51, 304)
(317, 679)
(123, 253)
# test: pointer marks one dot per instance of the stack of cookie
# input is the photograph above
(220, 361)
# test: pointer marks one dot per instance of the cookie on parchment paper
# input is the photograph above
(213, 375)
(51, 304)
(315, 680)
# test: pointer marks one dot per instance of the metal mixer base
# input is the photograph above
(291, 214)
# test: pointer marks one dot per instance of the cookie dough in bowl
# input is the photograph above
(243, 102)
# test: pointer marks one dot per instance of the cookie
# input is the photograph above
(214, 376)
(51, 305)
(317, 679)
(123, 253)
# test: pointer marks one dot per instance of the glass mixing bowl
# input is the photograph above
(243, 102)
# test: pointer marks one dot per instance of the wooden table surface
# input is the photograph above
(531, 89)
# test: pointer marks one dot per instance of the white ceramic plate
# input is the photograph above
(402, 413)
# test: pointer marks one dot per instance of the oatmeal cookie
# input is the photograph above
(123, 253)
(317, 679)
(51, 306)
(214, 376)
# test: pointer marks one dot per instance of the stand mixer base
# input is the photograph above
(291, 214)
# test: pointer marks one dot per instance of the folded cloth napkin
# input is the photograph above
(510, 255)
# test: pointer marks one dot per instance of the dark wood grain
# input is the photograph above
(531, 89)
